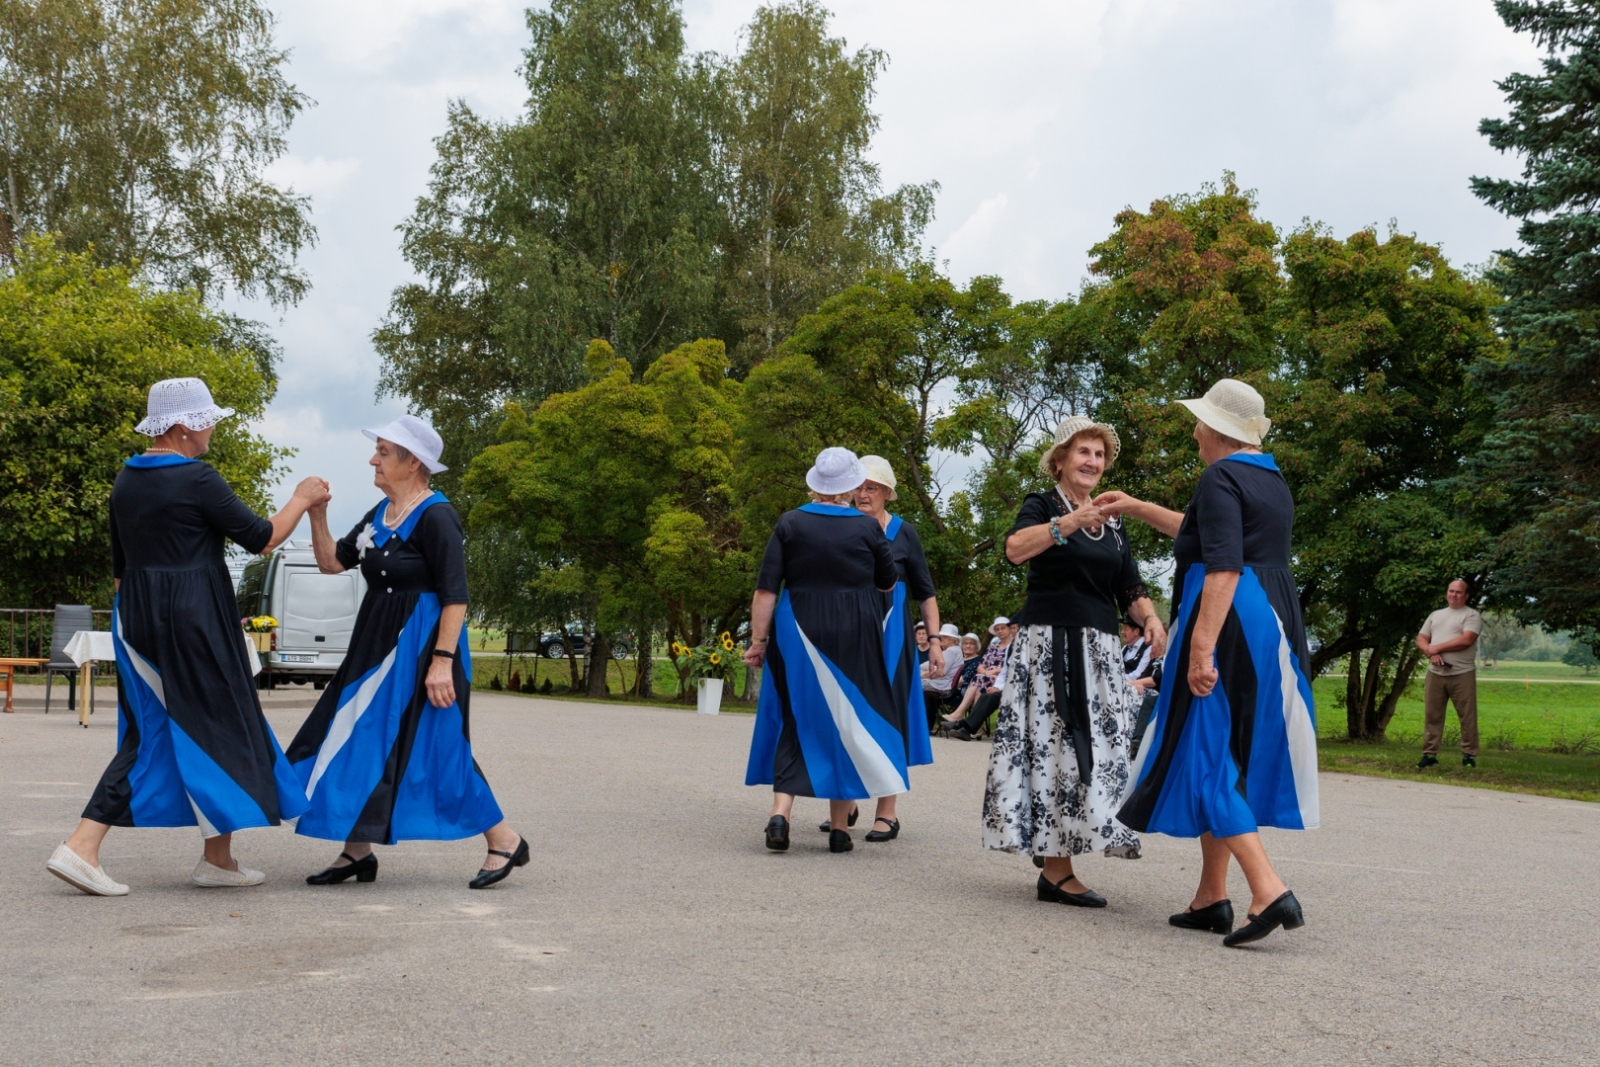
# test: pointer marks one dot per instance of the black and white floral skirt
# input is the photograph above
(1038, 802)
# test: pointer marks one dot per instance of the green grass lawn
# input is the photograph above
(1519, 669)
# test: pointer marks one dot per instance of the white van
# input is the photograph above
(316, 613)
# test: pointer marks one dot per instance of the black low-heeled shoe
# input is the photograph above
(960, 732)
(1053, 893)
(364, 869)
(778, 833)
(1038, 861)
(516, 858)
(839, 841)
(1284, 912)
(890, 834)
(826, 826)
(1216, 918)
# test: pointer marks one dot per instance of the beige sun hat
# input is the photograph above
(878, 470)
(1072, 426)
(1233, 409)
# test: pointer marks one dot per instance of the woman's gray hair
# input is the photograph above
(406, 454)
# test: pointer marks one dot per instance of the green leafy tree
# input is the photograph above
(1541, 454)
(141, 129)
(1581, 650)
(80, 346)
(805, 214)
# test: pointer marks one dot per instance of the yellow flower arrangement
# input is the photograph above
(260, 624)
(718, 657)
(715, 659)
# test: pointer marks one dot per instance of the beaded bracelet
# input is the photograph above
(1055, 531)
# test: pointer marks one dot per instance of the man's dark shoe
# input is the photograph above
(1427, 760)
(1469, 761)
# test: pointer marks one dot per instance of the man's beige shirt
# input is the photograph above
(1447, 624)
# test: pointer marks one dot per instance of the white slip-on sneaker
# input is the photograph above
(213, 877)
(72, 868)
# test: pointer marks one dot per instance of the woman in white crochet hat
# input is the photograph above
(193, 746)
(385, 755)
(827, 722)
(1232, 745)
(913, 587)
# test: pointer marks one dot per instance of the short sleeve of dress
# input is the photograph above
(1035, 512)
(226, 513)
(1220, 506)
(770, 577)
(345, 550)
(439, 537)
(919, 582)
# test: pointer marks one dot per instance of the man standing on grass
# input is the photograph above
(1447, 639)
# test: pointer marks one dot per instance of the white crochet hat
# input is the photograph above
(836, 471)
(1072, 426)
(878, 470)
(180, 401)
(416, 437)
(1234, 410)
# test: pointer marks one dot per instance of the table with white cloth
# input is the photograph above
(85, 649)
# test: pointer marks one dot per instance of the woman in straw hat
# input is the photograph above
(193, 747)
(1059, 768)
(827, 722)
(385, 756)
(1233, 743)
(914, 584)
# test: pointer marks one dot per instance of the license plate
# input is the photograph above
(287, 658)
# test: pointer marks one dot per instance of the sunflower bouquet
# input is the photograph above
(717, 657)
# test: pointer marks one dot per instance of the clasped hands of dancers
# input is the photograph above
(1231, 746)
(385, 755)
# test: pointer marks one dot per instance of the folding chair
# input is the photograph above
(70, 618)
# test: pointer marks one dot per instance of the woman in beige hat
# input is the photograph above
(914, 586)
(1059, 769)
(1236, 698)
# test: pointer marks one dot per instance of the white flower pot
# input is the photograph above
(710, 696)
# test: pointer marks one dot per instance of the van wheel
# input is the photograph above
(319, 685)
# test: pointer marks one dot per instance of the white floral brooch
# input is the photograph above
(364, 541)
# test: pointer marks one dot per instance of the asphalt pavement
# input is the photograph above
(1444, 926)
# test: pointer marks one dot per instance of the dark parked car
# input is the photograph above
(550, 646)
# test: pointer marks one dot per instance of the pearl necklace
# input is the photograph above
(394, 523)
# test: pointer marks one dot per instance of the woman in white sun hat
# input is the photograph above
(193, 747)
(1059, 769)
(1232, 745)
(914, 586)
(827, 722)
(385, 755)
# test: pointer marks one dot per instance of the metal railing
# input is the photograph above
(28, 632)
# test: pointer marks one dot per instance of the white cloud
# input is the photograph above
(319, 177)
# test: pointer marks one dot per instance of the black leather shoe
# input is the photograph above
(364, 869)
(1217, 918)
(1052, 892)
(1427, 761)
(826, 825)
(960, 733)
(517, 858)
(1469, 761)
(778, 833)
(1284, 912)
(890, 834)
(839, 841)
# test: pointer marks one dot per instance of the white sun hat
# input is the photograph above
(180, 401)
(974, 638)
(994, 627)
(1072, 426)
(416, 437)
(878, 470)
(949, 628)
(836, 471)
(1233, 409)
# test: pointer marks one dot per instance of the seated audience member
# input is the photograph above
(921, 633)
(982, 696)
(936, 688)
(1137, 663)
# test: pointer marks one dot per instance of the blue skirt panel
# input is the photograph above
(377, 761)
(819, 729)
(905, 675)
(1244, 756)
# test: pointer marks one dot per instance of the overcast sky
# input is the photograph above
(1040, 120)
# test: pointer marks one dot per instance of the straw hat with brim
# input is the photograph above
(1072, 426)
(1234, 410)
(180, 402)
(416, 437)
(878, 470)
(836, 472)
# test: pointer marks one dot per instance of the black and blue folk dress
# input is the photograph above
(828, 723)
(193, 748)
(1244, 756)
(375, 759)
(913, 586)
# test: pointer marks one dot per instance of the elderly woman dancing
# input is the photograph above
(827, 722)
(193, 748)
(1059, 769)
(1233, 743)
(385, 756)
(914, 586)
